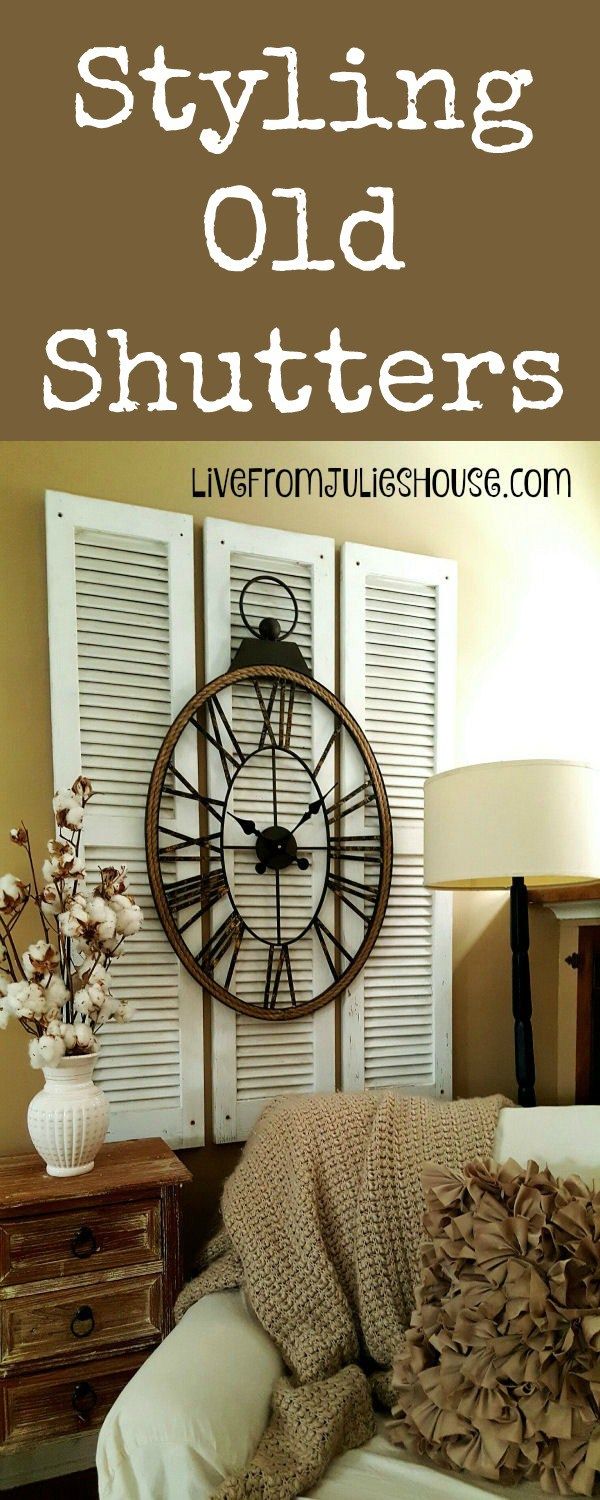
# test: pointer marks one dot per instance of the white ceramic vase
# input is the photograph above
(67, 1120)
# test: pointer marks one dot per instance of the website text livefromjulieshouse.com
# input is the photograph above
(369, 482)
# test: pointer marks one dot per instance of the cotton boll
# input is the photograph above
(82, 789)
(68, 809)
(40, 958)
(69, 1036)
(51, 901)
(94, 972)
(27, 1001)
(96, 989)
(12, 892)
(61, 800)
(73, 817)
(86, 1005)
(63, 863)
(100, 913)
(124, 1012)
(37, 1001)
(113, 881)
(69, 924)
(112, 949)
(56, 993)
(51, 1049)
(73, 920)
(84, 1035)
(109, 1008)
(5, 1013)
(46, 1051)
(17, 999)
(129, 916)
(90, 1003)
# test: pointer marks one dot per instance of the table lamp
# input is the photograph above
(507, 825)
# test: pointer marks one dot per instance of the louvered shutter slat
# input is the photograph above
(254, 1061)
(397, 661)
(121, 621)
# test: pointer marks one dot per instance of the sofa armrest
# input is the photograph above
(195, 1411)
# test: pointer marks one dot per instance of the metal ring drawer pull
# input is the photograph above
(85, 1317)
(83, 1243)
(84, 1400)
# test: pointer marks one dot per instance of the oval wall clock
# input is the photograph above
(278, 852)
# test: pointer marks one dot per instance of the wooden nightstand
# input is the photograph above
(89, 1270)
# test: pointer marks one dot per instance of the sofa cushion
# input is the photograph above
(500, 1376)
(193, 1414)
(564, 1137)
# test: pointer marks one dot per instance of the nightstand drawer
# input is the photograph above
(80, 1320)
(96, 1238)
(62, 1402)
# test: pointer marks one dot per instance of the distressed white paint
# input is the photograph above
(122, 664)
(249, 1066)
(398, 657)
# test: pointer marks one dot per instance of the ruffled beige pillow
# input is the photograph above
(499, 1376)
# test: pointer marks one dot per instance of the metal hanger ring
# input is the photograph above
(268, 578)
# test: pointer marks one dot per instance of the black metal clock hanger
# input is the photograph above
(269, 644)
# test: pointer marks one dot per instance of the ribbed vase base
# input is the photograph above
(87, 1166)
(68, 1118)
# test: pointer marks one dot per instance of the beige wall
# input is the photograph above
(528, 600)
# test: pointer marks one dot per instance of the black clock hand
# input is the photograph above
(274, 780)
(278, 904)
(246, 824)
(313, 807)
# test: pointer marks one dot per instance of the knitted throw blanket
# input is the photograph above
(322, 1230)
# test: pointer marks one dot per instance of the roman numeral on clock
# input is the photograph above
(199, 891)
(277, 717)
(229, 934)
(274, 973)
(351, 891)
(185, 789)
(329, 746)
(231, 759)
(332, 948)
(183, 841)
(360, 796)
(359, 848)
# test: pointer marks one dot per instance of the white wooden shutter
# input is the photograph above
(122, 664)
(254, 1061)
(398, 653)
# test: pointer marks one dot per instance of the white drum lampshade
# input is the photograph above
(486, 824)
(514, 824)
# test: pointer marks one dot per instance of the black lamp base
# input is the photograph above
(521, 992)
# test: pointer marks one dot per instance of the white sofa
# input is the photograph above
(195, 1411)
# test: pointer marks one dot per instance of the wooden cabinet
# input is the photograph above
(90, 1268)
(588, 1016)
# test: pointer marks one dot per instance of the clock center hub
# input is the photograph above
(276, 848)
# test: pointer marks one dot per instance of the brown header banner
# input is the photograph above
(309, 221)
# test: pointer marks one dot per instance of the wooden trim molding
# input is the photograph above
(562, 895)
